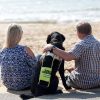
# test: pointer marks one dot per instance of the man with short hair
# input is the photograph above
(86, 54)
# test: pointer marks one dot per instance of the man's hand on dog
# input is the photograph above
(48, 47)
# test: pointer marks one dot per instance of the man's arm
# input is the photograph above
(64, 55)
(61, 53)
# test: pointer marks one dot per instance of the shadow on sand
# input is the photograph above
(72, 94)
(75, 94)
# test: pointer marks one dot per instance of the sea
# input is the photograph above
(49, 10)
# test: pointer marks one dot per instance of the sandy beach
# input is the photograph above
(35, 35)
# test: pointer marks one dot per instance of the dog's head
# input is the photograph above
(56, 39)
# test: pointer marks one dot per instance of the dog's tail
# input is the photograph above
(25, 97)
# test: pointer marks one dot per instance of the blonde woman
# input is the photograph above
(17, 62)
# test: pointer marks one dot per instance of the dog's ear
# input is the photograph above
(63, 37)
(48, 39)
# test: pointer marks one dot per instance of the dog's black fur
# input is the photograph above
(57, 39)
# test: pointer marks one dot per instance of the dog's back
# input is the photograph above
(56, 39)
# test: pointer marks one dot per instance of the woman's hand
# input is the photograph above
(48, 47)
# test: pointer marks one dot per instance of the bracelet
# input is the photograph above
(52, 48)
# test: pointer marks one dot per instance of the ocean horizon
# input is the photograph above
(49, 10)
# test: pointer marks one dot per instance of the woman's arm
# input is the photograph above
(30, 57)
(61, 53)
(29, 52)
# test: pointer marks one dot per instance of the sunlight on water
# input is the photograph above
(49, 10)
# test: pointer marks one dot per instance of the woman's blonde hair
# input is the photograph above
(13, 36)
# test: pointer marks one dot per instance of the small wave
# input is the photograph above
(52, 11)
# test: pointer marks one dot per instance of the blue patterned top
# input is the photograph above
(16, 67)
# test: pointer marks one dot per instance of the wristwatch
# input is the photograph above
(53, 47)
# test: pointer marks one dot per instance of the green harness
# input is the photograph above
(45, 73)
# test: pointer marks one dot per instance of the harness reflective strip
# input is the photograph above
(45, 74)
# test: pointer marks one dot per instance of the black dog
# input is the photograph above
(37, 89)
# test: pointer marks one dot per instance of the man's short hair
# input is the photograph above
(84, 28)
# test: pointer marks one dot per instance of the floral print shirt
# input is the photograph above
(17, 67)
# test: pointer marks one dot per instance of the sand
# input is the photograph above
(35, 35)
